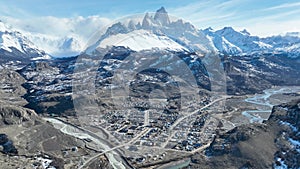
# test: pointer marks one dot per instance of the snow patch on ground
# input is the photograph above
(262, 44)
(290, 125)
(282, 164)
(295, 144)
(45, 163)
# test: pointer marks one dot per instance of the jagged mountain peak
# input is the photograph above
(132, 26)
(226, 29)
(230, 41)
(117, 28)
(147, 22)
(209, 29)
(227, 40)
(174, 35)
(161, 10)
(245, 32)
(147, 15)
(161, 17)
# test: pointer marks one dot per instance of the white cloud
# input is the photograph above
(203, 11)
(259, 19)
(50, 33)
(82, 27)
(274, 24)
(286, 5)
(270, 28)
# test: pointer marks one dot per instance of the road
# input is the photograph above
(191, 114)
(114, 148)
(114, 157)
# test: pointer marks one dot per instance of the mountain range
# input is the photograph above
(154, 30)
(178, 35)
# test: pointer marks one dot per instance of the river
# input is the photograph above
(113, 157)
(264, 105)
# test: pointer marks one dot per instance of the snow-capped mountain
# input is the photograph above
(227, 40)
(155, 31)
(230, 41)
(16, 47)
(140, 40)
(288, 43)
(159, 31)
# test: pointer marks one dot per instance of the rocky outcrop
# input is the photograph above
(6, 145)
(10, 114)
(11, 88)
(254, 73)
(275, 143)
(288, 140)
(11, 101)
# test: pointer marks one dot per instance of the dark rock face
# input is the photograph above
(289, 112)
(103, 163)
(15, 55)
(252, 74)
(47, 83)
(11, 88)
(11, 101)
(7, 145)
(10, 115)
(288, 140)
(225, 143)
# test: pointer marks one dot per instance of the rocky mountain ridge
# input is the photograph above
(15, 47)
(154, 30)
(225, 41)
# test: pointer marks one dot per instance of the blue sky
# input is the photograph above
(259, 17)
(70, 8)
